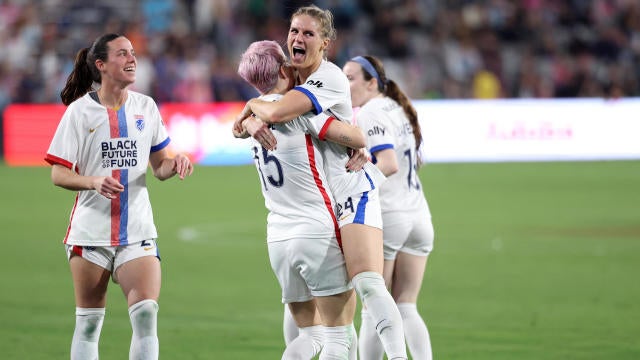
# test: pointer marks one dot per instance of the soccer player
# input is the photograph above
(101, 149)
(393, 139)
(321, 86)
(302, 230)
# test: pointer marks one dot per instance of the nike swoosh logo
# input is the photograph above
(92, 130)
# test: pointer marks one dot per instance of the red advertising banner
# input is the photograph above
(28, 130)
(202, 131)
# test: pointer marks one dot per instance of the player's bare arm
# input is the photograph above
(387, 161)
(165, 167)
(70, 180)
(345, 134)
(293, 104)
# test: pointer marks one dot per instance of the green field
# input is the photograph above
(532, 261)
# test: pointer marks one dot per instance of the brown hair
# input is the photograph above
(84, 72)
(392, 90)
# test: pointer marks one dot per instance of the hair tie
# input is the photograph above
(366, 65)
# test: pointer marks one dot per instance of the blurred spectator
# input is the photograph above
(188, 49)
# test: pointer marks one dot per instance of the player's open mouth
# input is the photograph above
(298, 53)
(130, 68)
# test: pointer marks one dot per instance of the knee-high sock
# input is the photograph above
(84, 345)
(415, 330)
(369, 343)
(289, 326)
(384, 312)
(353, 350)
(337, 343)
(144, 321)
(306, 345)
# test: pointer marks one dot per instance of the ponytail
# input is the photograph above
(393, 91)
(84, 72)
(80, 81)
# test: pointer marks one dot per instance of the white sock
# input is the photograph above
(384, 312)
(289, 326)
(416, 332)
(369, 343)
(144, 321)
(84, 345)
(306, 345)
(337, 343)
(353, 350)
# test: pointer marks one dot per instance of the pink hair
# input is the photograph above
(260, 63)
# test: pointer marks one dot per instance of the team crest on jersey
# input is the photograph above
(139, 122)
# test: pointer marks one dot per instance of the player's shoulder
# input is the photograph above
(140, 97)
(83, 105)
(328, 71)
(374, 106)
(329, 66)
(271, 97)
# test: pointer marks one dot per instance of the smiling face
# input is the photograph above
(362, 90)
(120, 67)
(306, 43)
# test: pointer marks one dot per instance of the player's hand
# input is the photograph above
(261, 132)
(237, 124)
(357, 159)
(240, 135)
(107, 186)
(183, 165)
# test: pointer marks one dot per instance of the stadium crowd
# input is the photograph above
(456, 49)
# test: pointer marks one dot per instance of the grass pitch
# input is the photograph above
(531, 261)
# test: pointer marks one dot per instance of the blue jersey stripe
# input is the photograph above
(124, 180)
(360, 210)
(124, 207)
(161, 146)
(317, 109)
(122, 122)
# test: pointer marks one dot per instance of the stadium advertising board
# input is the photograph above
(530, 130)
(27, 131)
(453, 130)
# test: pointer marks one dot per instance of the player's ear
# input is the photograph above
(372, 84)
(99, 65)
(285, 71)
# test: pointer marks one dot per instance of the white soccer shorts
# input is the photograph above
(111, 257)
(307, 268)
(409, 232)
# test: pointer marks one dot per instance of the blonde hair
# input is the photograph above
(325, 17)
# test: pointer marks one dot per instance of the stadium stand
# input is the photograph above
(188, 50)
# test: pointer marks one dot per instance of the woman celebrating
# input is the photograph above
(393, 138)
(302, 230)
(104, 143)
(321, 86)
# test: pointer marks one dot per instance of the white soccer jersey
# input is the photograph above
(342, 182)
(386, 127)
(328, 89)
(95, 141)
(294, 184)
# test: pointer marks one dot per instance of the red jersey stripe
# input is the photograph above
(323, 191)
(325, 127)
